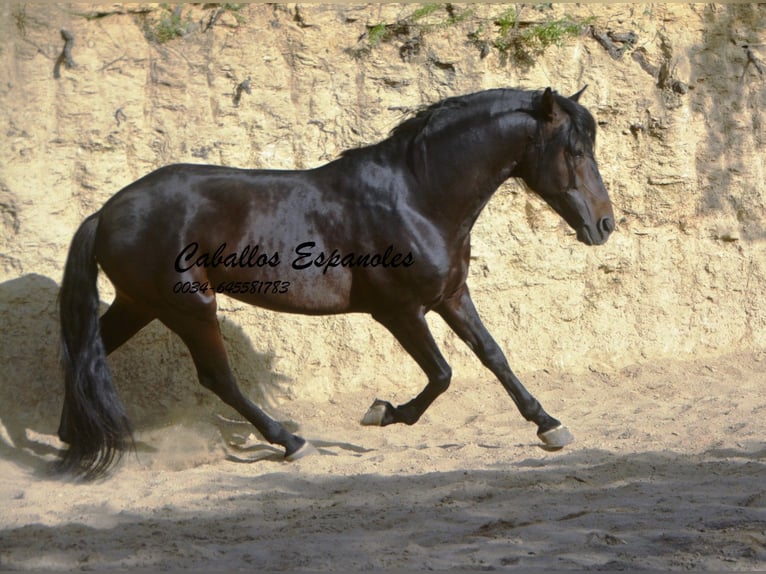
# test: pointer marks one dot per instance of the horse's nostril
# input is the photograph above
(606, 225)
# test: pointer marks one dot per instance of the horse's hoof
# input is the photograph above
(378, 415)
(556, 438)
(306, 449)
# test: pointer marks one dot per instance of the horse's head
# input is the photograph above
(561, 168)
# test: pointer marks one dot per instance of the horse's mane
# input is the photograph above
(432, 118)
(443, 110)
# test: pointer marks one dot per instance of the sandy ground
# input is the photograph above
(668, 472)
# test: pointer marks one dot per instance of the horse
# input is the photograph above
(383, 230)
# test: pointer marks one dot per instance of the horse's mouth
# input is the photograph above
(591, 237)
(591, 228)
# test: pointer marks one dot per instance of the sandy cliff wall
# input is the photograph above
(682, 156)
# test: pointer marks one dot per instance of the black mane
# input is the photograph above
(431, 118)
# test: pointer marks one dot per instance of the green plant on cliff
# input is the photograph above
(410, 28)
(171, 24)
(517, 39)
(232, 8)
(524, 41)
(384, 32)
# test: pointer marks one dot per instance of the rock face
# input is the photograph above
(678, 92)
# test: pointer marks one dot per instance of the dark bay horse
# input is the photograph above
(384, 230)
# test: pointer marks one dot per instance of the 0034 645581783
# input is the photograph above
(233, 287)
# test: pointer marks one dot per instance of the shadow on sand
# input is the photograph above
(153, 373)
(590, 509)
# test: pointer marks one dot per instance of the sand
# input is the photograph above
(667, 472)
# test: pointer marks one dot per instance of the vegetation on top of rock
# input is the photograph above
(173, 24)
(523, 41)
(517, 39)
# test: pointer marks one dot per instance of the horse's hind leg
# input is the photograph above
(121, 321)
(202, 336)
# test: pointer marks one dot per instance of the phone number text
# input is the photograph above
(233, 287)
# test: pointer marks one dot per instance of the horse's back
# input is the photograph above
(225, 226)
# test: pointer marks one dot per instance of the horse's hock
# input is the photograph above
(287, 87)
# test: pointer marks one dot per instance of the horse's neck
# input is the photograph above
(458, 180)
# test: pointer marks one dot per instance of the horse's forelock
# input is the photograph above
(582, 125)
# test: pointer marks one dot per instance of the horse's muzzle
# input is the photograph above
(598, 234)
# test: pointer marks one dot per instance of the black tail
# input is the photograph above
(93, 420)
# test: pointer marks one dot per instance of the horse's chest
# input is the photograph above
(439, 274)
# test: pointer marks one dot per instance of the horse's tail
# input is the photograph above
(93, 420)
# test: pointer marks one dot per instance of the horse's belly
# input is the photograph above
(287, 291)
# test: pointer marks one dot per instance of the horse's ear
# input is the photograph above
(576, 97)
(547, 103)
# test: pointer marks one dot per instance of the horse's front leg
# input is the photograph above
(461, 315)
(412, 332)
